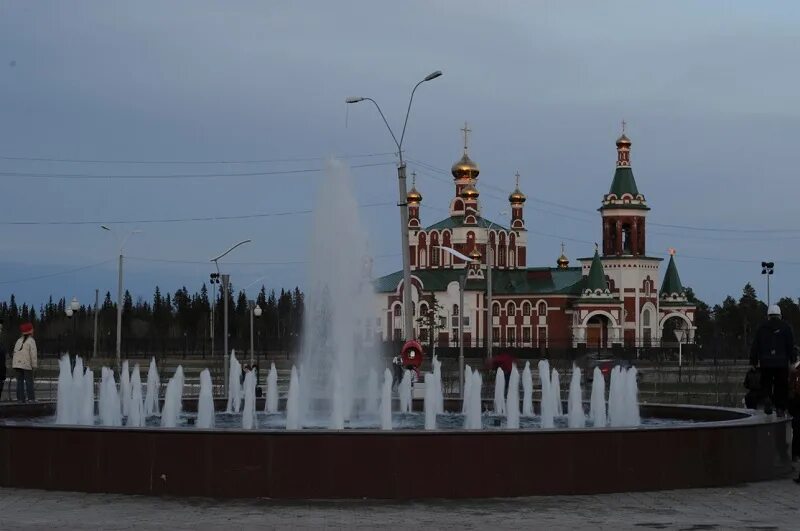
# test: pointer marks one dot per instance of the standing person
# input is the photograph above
(24, 362)
(772, 352)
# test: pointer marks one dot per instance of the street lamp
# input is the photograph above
(226, 282)
(408, 322)
(767, 269)
(255, 311)
(489, 267)
(72, 309)
(119, 288)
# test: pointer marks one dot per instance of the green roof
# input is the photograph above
(623, 182)
(458, 221)
(539, 280)
(672, 281)
(597, 277)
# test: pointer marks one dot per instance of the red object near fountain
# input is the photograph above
(412, 354)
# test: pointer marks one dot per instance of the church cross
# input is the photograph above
(517, 176)
(466, 131)
(624, 123)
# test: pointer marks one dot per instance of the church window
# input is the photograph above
(526, 308)
(541, 308)
(496, 308)
(511, 309)
(397, 310)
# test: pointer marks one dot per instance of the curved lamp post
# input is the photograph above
(408, 321)
(121, 243)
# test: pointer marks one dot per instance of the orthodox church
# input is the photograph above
(616, 297)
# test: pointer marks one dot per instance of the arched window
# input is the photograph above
(496, 308)
(458, 204)
(646, 318)
(455, 309)
(435, 251)
(511, 309)
(541, 308)
(501, 250)
(526, 308)
(423, 310)
(397, 310)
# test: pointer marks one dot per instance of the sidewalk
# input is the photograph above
(766, 505)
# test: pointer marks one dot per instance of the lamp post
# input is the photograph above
(255, 311)
(489, 267)
(767, 269)
(226, 282)
(408, 322)
(119, 289)
(71, 310)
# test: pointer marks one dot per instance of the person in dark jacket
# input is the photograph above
(773, 352)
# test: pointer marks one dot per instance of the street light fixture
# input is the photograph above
(119, 288)
(767, 268)
(402, 202)
(226, 282)
(256, 312)
(489, 267)
(72, 309)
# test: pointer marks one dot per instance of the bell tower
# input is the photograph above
(624, 209)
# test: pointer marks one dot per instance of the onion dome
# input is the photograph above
(517, 197)
(475, 254)
(563, 261)
(465, 168)
(623, 141)
(469, 192)
(413, 197)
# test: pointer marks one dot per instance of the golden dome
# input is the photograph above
(563, 262)
(469, 192)
(465, 168)
(517, 197)
(413, 196)
(623, 141)
(475, 253)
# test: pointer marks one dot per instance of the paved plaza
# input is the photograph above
(766, 505)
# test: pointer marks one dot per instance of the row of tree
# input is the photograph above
(175, 323)
(180, 322)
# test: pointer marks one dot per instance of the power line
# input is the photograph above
(262, 161)
(80, 176)
(266, 263)
(181, 220)
(49, 275)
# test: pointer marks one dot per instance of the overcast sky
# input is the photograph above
(708, 89)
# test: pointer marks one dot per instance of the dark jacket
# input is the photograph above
(773, 346)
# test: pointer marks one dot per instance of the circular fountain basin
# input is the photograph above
(676, 447)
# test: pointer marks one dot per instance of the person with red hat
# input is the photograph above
(24, 362)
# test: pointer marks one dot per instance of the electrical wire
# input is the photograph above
(261, 161)
(82, 176)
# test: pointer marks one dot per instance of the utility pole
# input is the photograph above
(225, 285)
(462, 280)
(94, 335)
(119, 314)
(489, 309)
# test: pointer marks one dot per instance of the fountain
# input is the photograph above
(153, 385)
(205, 401)
(65, 406)
(293, 402)
(512, 403)
(431, 401)
(465, 395)
(576, 417)
(555, 384)
(136, 416)
(547, 403)
(386, 401)
(437, 380)
(234, 385)
(632, 416)
(338, 302)
(108, 403)
(597, 413)
(125, 388)
(527, 391)
(373, 399)
(86, 416)
(472, 420)
(499, 392)
(173, 400)
(616, 398)
(271, 403)
(404, 392)
(249, 411)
